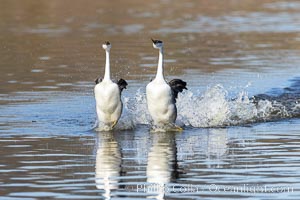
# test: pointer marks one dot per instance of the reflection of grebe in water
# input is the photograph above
(108, 163)
(161, 165)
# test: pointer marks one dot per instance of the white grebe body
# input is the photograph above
(109, 104)
(161, 96)
(160, 102)
(108, 96)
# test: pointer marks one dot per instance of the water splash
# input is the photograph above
(213, 108)
(207, 110)
(137, 109)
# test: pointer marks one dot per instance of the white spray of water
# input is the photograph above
(207, 110)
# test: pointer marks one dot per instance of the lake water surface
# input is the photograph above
(241, 137)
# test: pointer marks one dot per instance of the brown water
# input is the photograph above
(232, 146)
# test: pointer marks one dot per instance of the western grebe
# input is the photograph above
(108, 96)
(161, 96)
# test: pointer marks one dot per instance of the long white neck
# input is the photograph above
(107, 67)
(160, 68)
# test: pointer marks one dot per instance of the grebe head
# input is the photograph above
(106, 46)
(157, 44)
